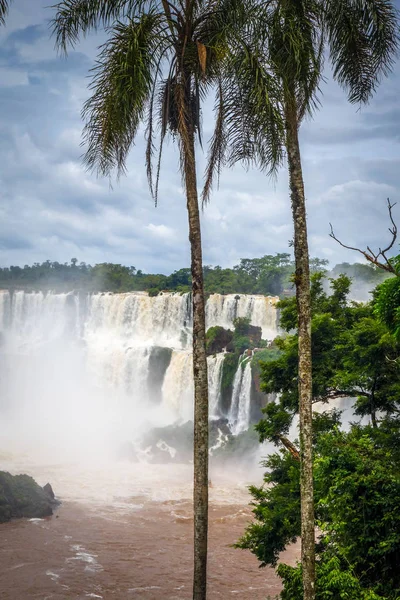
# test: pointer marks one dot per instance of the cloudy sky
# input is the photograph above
(50, 208)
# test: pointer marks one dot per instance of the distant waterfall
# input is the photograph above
(131, 350)
(138, 319)
(261, 310)
(36, 318)
(239, 416)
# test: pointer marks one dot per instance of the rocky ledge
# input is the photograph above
(21, 496)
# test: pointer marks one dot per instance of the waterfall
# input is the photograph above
(177, 389)
(38, 318)
(222, 310)
(214, 364)
(123, 359)
(4, 308)
(136, 318)
(239, 415)
(243, 418)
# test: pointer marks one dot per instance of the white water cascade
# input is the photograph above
(261, 310)
(124, 360)
(215, 365)
(239, 415)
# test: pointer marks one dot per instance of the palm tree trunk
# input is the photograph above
(200, 490)
(302, 278)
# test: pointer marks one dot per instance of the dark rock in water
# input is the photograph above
(21, 496)
(217, 426)
(174, 443)
(49, 491)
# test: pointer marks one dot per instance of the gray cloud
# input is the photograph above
(51, 208)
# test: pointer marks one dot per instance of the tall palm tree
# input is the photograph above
(360, 37)
(160, 61)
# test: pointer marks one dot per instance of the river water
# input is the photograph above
(125, 531)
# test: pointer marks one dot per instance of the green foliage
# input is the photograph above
(352, 355)
(262, 356)
(357, 493)
(212, 334)
(153, 292)
(251, 276)
(276, 510)
(241, 325)
(358, 481)
(335, 581)
(217, 339)
(356, 473)
(229, 369)
(387, 304)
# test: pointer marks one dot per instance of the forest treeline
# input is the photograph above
(269, 275)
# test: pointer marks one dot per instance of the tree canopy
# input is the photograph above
(356, 472)
(268, 275)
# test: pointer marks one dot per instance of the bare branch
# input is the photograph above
(334, 393)
(372, 257)
(291, 447)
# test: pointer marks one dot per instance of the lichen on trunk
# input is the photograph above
(302, 279)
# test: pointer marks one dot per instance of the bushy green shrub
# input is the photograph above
(153, 292)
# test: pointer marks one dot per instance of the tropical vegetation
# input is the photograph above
(355, 359)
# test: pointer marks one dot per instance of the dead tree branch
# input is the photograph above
(378, 259)
(291, 447)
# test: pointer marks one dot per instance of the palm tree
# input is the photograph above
(159, 62)
(4, 7)
(361, 39)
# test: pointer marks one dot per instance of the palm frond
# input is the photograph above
(149, 135)
(77, 17)
(218, 144)
(294, 44)
(121, 84)
(363, 37)
(4, 8)
(254, 123)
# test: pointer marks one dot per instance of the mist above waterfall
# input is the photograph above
(82, 374)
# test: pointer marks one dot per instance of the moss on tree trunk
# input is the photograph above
(302, 278)
(200, 450)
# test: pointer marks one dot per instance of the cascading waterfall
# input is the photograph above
(261, 310)
(138, 319)
(239, 415)
(177, 389)
(125, 355)
(215, 365)
(243, 418)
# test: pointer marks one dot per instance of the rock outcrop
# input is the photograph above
(173, 443)
(217, 339)
(21, 496)
(254, 334)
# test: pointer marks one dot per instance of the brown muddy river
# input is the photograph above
(125, 531)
